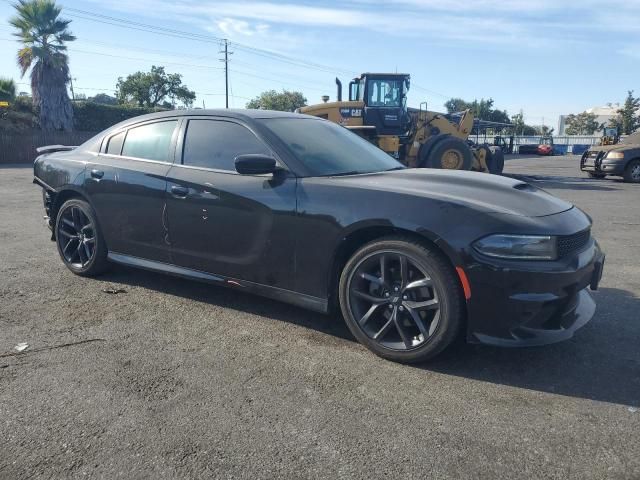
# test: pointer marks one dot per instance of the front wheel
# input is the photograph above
(401, 299)
(79, 239)
(632, 172)
(596, 175)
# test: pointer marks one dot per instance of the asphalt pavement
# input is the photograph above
(175, 379)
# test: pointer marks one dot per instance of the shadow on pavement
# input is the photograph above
(228, 298)
(602, 362)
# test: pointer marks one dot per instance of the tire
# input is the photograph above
(632, 171)
(498, 159)
(488, 157)
(597, 175)
(450, 153)
(80, 242)
(425, 150)
(382, 317)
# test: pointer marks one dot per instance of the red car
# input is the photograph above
(544, 149)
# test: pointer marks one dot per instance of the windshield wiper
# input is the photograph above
(401, 167)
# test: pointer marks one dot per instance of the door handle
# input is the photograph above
(98, 174)
(179, 192)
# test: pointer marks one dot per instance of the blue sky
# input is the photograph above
(546, 57)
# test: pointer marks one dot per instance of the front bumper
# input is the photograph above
(602, 165)
(532, 303)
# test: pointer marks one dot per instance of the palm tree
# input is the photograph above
(7, 89)
(43, 35)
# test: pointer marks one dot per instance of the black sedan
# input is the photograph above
(302, 210)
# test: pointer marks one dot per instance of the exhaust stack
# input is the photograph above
(339, 84)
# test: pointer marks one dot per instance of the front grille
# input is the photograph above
(568, 244)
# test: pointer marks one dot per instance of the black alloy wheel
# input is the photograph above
(401, 300)
(78, 238)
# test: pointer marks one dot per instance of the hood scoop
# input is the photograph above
(525, 187)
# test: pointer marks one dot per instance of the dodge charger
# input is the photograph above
(302, 210)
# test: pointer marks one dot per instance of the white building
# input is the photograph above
(603, 115)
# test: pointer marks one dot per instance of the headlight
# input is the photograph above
(518, 247)
(615, 155)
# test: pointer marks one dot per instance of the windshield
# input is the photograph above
(328, 149)
(384, 93)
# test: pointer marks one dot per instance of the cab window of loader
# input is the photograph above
(384, 93)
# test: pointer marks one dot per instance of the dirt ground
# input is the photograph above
(173, 378)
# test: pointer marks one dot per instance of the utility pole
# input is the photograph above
(226, 71)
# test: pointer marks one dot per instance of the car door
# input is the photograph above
(224, 223)
(127, 186)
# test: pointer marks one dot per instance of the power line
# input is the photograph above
(123, 23)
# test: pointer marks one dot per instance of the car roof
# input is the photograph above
(220, 112)
(237, 113)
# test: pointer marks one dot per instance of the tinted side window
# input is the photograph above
(216, 143)
(151, 141)
(114, 147)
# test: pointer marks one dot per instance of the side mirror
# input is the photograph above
(255, 164)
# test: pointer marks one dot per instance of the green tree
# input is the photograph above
(43, 35)
(582, 124)
(103, 99)
(629, 114)
(456, 105)
(7, 89)
(286, 101)
(482, 109)
(150, 89)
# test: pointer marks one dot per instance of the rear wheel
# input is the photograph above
(450, 153)
(632, 172)
(79, 240)
(401, 299)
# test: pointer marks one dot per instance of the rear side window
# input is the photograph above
(151, 141)
(114, 147)
(216, 143)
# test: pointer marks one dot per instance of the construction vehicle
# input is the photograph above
(610, 136)
(377, 110)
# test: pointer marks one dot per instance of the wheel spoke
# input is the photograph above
(403, 335)
(404, 271)
(424, 282)
(418, 321)
(79, 250)
(86, 250)
(434, 323)
(384, 330)
(365, 318)
(76, 219)
(65, 234)
(383, 269)
(372, 279)
(423, 305)
(370, 298)
(68, 222)
(66, 247)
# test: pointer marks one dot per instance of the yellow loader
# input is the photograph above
(377, 110)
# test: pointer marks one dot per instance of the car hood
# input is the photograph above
(618, 147)
(480, 191)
